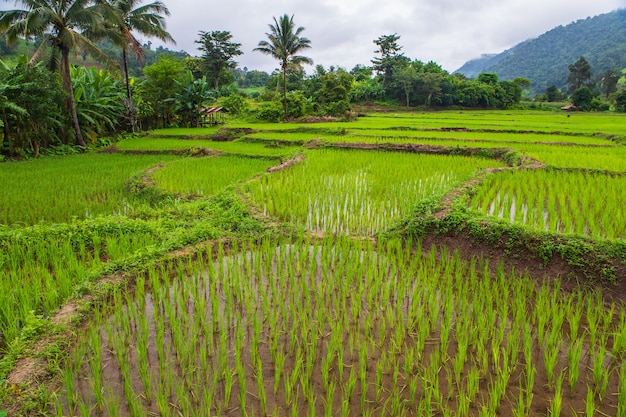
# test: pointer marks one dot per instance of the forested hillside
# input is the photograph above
(545, 60)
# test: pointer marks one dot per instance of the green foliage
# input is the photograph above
(284, 44)
(250, 79)
(161, 85)
(31, 98)
(582, 97)
(545, 59)
(419, 221)
(99, 101)
(554, 94)
(269, 112)
(190, 99)
(337, 108)
(334, 92)
(66, 27)
(609, 81)
(511, 94)
(579, 74)
(218, 53)
(296, 104)
(488, 78)
(390, 58)
(620, 102)
(235, 104)
(364, 91)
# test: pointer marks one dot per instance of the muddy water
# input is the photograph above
(334, 330)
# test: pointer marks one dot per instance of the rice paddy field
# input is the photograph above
(274, 274)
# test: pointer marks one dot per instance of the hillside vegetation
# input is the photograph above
(545, 60)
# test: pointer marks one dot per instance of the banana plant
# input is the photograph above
(191, 98)
(99, 101)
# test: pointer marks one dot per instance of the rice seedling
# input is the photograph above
(274, 352)
(590, 407)
(600, 371)
(556, 404)
(64, 188)
(574, 354)
(381, 315)
(569, 200)
(207, 176)
(164, 144)
(356, 192)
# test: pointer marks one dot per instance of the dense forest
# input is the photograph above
(545, 60)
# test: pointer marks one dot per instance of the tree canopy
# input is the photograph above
(218, 53)
(67, 26)
(284, 44)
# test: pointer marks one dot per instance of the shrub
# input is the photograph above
(269, 112)
(234, 104)
(582, 98)
(620, 102)
(337, 108)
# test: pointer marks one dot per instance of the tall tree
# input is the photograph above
(390, 57)
(160, 85)
(579, 74)
(609, 81)
(38, 119)
(431, 85)
(406, 77)
(553, 94)
(146, 20)
(284, 43)
(67, 25)
(218, 55)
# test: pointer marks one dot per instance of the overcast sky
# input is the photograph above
(449, 32)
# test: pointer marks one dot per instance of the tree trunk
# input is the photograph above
(69, 102)
(285, 91)
(129, 97)
(35, 148)
(6, 140)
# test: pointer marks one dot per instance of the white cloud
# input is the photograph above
(449, 32)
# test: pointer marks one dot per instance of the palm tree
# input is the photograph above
(146, 20)
(65, 26)
(284, 43)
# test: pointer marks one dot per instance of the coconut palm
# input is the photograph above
(64, 25)
(284, 44)
(146, 20)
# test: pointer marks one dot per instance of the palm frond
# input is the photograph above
(40, 53)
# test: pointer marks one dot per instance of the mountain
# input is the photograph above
(545, 60)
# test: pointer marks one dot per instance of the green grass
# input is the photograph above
(610, 159)
(358, 192)
(186, 131)
(338, 324)
(353, 192)
(557, 201)
(207, 176)
(232, 147)
(521, 120)
(60, 189)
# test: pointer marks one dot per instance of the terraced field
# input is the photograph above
(287, 269)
